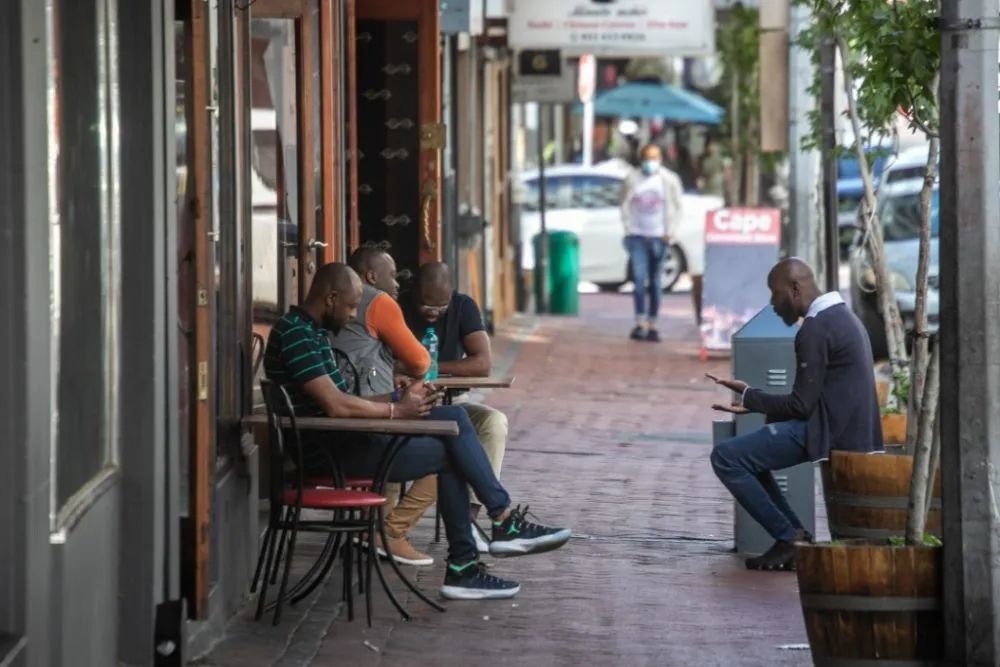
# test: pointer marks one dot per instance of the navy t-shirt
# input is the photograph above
(462, 318)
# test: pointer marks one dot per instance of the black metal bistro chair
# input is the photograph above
(352, 510)
(357, 504)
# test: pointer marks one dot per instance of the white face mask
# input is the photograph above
(650, 167)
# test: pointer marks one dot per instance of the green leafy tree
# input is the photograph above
(738, 44)
(890, 57)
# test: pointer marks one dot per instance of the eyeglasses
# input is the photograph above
(433, 310)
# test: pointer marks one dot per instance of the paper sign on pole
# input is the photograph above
(741, 247)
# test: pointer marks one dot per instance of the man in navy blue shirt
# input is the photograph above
(833, 405)
(463, 351)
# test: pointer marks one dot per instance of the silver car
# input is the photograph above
(899, 213)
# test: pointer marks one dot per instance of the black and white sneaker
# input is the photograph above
(471, 582)
(517, 536)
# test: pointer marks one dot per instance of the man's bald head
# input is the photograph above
(334, 295)
(376, 267)
(333, 277)
(793, 289)
(435, 274)
(435, 290)
(792, 269)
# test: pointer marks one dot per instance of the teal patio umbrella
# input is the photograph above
(648, 100)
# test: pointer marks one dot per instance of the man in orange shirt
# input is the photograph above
(369, 350)
(378, 342)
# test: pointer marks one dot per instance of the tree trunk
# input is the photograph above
(894, 334)
(751, 195)
(739, 164)
(916, 517)
(935, 462)
(918, 365)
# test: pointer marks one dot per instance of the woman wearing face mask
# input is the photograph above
(651, 211)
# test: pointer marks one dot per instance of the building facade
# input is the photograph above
(173, 174)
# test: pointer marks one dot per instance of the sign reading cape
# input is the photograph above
(741, 246)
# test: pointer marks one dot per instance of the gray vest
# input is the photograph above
(371, 358)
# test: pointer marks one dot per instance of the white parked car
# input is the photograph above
(585, 201)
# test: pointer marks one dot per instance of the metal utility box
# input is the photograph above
(764, 357)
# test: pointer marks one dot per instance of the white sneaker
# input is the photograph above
(482, 546)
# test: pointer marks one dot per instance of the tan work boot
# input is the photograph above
(402, 551)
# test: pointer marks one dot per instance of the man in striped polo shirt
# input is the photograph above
(299, 358)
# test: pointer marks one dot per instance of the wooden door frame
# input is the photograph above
(426, 14)
(299, 12)
(331, 89)
(354, 217)
(202, 432)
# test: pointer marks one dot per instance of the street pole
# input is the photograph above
(803, 167)
(542, 254)
(970, 330)
(831, 235)
(585, 85)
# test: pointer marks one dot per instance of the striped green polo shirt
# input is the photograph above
(298, 350)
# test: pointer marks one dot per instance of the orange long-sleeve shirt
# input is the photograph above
(386, 323)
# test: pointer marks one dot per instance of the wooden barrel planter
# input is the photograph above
(882, 391)
(894, 428)
(867, 495)
(868, 604)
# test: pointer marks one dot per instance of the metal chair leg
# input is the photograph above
(395, 566)
(377, 563)
(282, 538)
(361, 564)
(328, 560)
(264, 580)
(348, 578)
(268, 535)
(326, 556)
(368, 569)
(293, 531)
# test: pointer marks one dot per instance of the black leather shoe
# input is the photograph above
(781, 556)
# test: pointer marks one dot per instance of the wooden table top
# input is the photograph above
(383, 426)
(474, 382)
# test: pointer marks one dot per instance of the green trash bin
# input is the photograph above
(563, 274)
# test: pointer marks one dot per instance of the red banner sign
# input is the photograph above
(743, 226)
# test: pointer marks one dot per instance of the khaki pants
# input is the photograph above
(491, 427)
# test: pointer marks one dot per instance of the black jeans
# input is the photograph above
(458, 461)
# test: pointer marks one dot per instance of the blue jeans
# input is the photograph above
(458, 461)
(744, 465)
(648, 255)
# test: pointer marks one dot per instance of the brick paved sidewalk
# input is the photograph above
(610, 437)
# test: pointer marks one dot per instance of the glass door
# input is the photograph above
(399, 133)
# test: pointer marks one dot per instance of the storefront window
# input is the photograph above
(85, 241)
(274, 160)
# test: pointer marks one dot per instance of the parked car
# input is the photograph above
(850, 190)
(909, 164)
(585, 200)
(899, 214)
